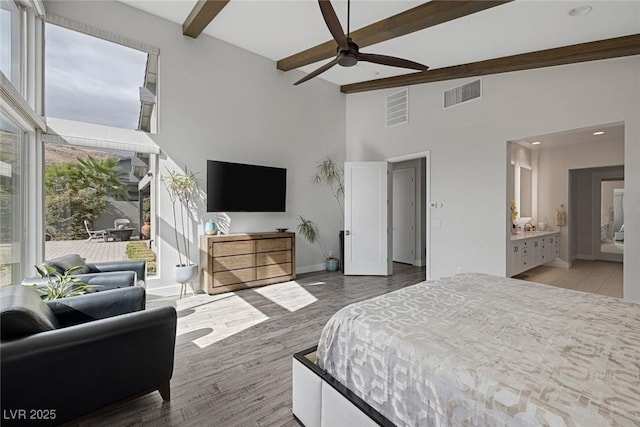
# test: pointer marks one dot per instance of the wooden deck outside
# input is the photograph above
(96, 250)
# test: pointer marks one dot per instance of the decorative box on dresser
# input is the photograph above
(231, 262)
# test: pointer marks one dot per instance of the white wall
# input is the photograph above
(468, 150)
(217, 101)
(553, 184)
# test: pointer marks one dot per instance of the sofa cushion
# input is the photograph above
(63, 263)
(23, 313)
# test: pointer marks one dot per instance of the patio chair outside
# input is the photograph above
(121, 222)
(93, 234)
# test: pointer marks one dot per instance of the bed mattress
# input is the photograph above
(477, 349)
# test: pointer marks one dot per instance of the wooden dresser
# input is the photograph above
(237, 261)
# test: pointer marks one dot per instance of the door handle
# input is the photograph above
(347, 233)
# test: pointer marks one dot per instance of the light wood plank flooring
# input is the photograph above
(599, 277)
(97, 250)
(233, 351)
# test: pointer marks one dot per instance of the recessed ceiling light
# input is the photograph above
(599, 133)
(536, 143)
(581, 10)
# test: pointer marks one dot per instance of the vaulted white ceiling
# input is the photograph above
(277, 29)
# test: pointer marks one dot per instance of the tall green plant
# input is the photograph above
(308, 230)
(77, 191)
(183, 188)
(104, 176)
(330, 174)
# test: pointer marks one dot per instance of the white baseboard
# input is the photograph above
(166, 291)
(310, 268)
(419, 263)
(559, 263)
(157, 288)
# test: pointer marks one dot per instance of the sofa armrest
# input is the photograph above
(98, 305)
(79, 369)
(139, 266)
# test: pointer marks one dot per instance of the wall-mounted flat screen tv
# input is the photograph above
(237, 187)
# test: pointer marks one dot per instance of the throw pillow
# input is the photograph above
(66, 262)
(23, 313)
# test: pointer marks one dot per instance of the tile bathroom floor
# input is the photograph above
(599, 277)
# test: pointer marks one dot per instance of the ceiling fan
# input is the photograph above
(348, 52)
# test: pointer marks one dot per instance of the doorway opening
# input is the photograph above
(410, 197)
(573, 175)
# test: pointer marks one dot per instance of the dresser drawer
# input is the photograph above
(269, 245)
(222, 278)
(267, 258)
(274, 270)
(233, 248)
(233, 262)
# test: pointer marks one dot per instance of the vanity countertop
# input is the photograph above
(529, 234)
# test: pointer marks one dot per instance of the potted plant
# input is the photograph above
(330, 174)
(182, 189)
(61, 285)
(145, 230)
(309, 231)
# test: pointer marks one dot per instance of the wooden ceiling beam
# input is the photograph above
(201, 15)
(583, 52)
(418, 18)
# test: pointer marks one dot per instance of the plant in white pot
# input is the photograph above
(183, 189)
(309, 231)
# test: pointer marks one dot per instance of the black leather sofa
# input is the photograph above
(66, 358)
(103, 275)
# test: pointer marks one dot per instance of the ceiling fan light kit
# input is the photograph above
(348, 53)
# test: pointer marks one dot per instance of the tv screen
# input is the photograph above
(237, 187)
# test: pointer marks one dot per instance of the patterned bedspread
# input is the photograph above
(475, 350)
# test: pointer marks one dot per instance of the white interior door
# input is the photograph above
(404, 215)
(367, 216)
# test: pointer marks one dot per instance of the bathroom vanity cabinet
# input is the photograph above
(531, 249)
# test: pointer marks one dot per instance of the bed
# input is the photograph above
(474, 349)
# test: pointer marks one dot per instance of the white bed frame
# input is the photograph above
(321, 401)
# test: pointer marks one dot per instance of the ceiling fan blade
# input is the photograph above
(391, 61)
(333, 23)
(320, 70)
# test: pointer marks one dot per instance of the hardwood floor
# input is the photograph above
(233, 351)
(599, 277)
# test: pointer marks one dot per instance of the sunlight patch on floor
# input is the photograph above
(224, 315)
(316, 283)
(288, 295)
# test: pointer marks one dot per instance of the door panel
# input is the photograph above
(404, 214)
(367, 212)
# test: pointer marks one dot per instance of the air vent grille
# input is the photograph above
(463, 93)
(398, 108)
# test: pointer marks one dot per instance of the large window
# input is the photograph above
(91, 80)
(98, 179)
(11, 202)
(10, 40)
(95, 205)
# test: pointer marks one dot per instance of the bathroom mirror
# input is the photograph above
(525, 192)
(611, 217)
